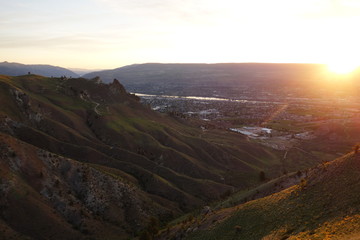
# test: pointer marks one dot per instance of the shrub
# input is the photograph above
(356, 148)
(303, 184)
(226, 194)
(152, 228)
(145, 236)
(262, 176)
(237, 229)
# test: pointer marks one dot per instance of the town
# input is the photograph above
(277, 122)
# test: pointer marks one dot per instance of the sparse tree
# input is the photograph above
(152, 229)
(238, 229)
(262, 176)
(303, 184)
(356, 148)
(145, 236)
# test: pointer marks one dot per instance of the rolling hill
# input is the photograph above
(17, 69)
(324, 205)
(89, 158)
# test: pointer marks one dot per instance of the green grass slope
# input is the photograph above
(325, 205)
(169, 162)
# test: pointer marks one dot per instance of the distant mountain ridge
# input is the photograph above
(83, 71)
(17, 69)
(186, 79)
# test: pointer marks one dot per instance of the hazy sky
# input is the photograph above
(113, 33)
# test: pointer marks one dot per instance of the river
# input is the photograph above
(202, 98)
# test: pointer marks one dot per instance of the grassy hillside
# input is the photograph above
(325, 205)
(167, 166)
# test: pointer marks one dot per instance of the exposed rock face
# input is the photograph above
(21, 98)
(88, 191)
(24, 103)
(116, 87)
(82, 195)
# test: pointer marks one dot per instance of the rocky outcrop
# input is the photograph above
(116, 88)
(81, 194)
(79, 191)
(24, 103)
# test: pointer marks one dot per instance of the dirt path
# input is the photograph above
(88, 99)
(95, 108)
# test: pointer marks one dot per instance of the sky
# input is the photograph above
(105, 34)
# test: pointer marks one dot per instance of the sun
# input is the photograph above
(342, 67)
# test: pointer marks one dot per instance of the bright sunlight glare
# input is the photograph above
(342, 67)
